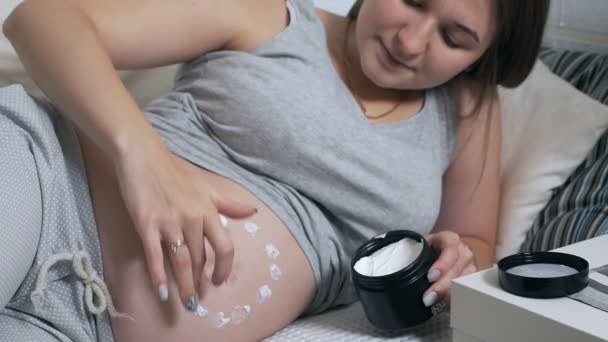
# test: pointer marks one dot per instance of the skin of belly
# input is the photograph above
(126, 275)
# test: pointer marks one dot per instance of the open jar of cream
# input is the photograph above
(390, 276)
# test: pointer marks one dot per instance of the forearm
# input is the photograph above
(66, 58)
(483, 253)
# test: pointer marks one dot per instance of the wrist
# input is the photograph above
(133, 140)
(483, 253)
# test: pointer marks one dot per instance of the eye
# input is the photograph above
(419, 4)
(449, 41)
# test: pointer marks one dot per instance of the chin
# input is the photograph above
(377, 75)
(383, 82)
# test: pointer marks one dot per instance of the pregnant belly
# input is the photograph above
(271, 282)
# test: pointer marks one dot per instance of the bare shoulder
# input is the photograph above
(471, 102)
(258, 21)
(325, 16)
(333, 24)
(478, 115)
(263, 19)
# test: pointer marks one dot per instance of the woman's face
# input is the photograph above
(420, 44)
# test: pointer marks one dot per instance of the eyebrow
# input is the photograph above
(469, 31)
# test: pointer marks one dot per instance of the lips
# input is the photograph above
(393, 60)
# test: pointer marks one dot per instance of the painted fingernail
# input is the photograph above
(430, 299)
(163, 293)
(438, 308)
(433, 276)
(192, 303)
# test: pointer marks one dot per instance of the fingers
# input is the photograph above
(181, 262)
(438, 308)
(185, 248)
(155, 259)
(233, 209)
(455, 260)
(471, 268)
(222, 247)
(195, 239)
(440, 290)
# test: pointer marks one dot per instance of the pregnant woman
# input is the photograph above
(232, 205)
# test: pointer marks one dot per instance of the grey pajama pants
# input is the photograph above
(46, 224)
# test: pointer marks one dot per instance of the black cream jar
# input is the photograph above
(394, 300)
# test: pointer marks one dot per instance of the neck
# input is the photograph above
(364, 91)
(361, 85)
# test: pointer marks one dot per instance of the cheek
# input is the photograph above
(444, 65)
(366, 29)
(377, 16)
(370, 67)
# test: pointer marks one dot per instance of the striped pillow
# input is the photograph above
(586, 71)
(578, 209)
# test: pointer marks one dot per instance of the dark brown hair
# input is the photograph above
(510, 57)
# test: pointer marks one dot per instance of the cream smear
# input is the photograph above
(389, 259)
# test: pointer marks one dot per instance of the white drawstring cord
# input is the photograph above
(97, 295)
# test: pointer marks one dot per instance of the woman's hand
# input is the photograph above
(168, 202)
(455, 260)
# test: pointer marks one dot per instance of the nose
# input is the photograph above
(413, 39)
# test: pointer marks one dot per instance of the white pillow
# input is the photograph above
(11, 70)
(548, 129)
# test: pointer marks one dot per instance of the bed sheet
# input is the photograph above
(349, 324)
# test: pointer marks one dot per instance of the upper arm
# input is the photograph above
(148, 33)
(471, 184)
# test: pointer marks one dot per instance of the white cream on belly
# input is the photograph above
(240, 313)
(389, 259)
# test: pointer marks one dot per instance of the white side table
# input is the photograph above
(482, 311)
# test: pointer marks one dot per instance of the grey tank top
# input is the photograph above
(279, 120)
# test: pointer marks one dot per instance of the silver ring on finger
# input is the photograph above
(175, 245)
(438, 308)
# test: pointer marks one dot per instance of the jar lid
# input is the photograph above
(543, 274)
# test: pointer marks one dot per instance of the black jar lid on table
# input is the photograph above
(543, 286)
